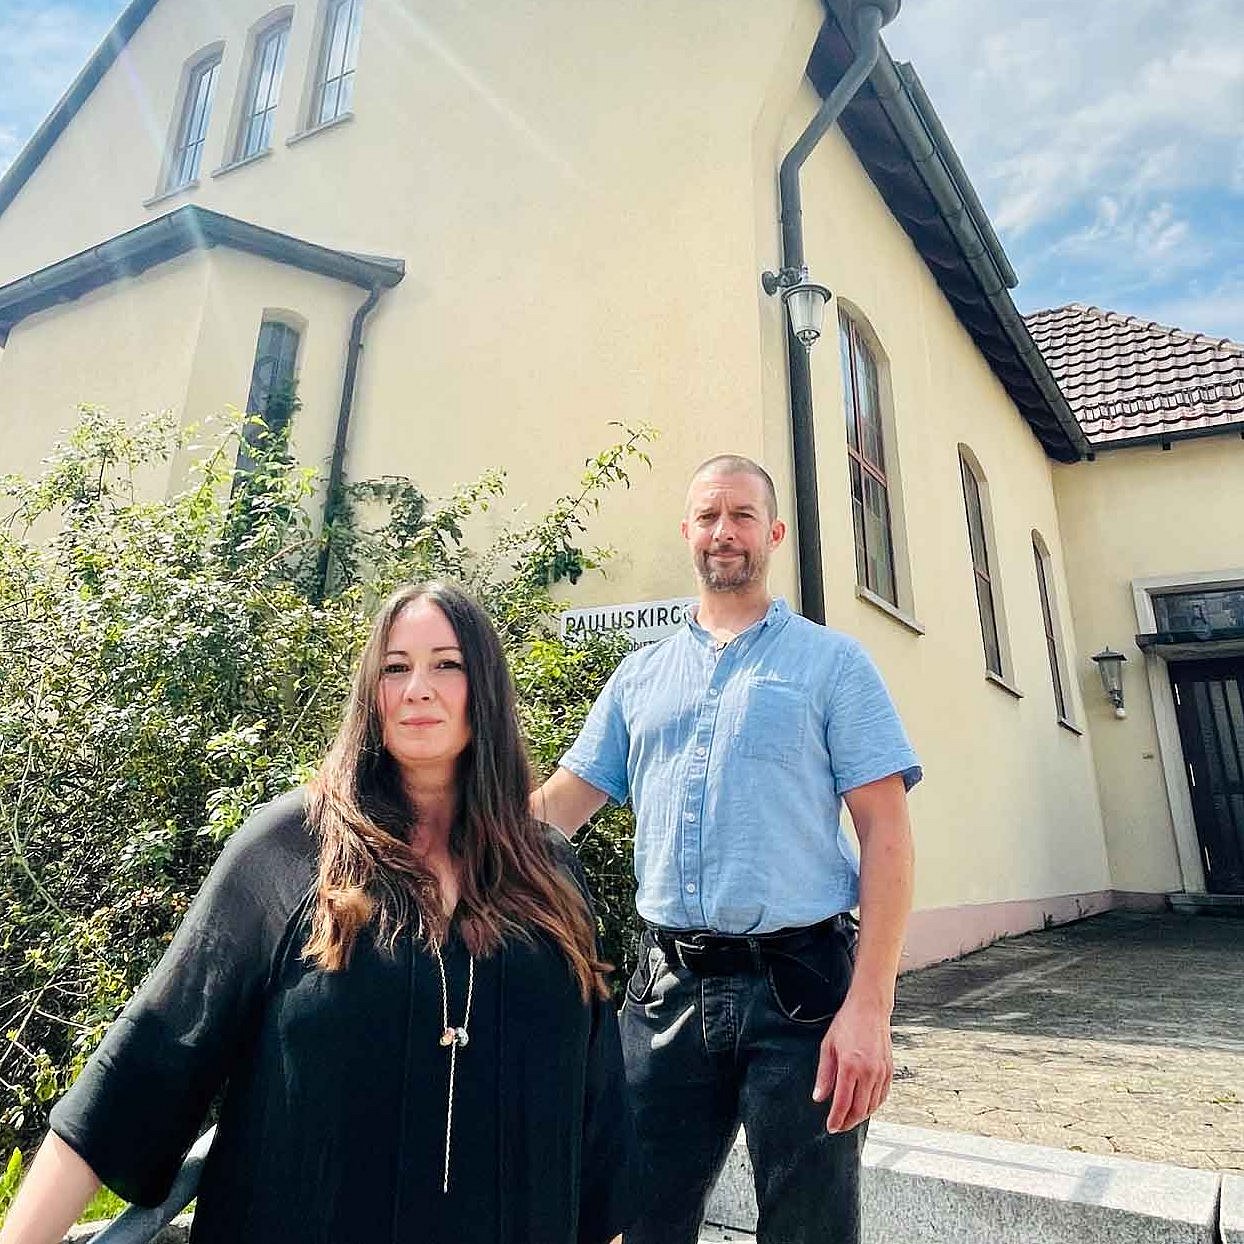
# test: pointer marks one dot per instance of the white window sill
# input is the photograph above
(891, 611)
(165, 195)
(999, 681)
(1071, 727)
(242, 163)
(319, 129)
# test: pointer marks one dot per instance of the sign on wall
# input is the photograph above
(644, 622)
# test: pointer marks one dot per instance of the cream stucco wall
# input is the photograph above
(181, 338)
(1136, 514)
(585, 196)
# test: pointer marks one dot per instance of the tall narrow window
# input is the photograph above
(1051, 636)
(981, 571)
(338, 57)
(870, 489)
(192, 130)
(263, 91)
(272, 398)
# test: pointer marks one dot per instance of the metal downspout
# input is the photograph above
(869, 20)
(336, 473)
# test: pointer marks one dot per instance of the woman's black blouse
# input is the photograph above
(332, 1126)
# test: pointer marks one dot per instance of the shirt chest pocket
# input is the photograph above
(772, 723)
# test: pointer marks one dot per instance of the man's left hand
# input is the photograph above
(856, 1064)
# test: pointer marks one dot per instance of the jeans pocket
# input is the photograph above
(808, 987)
(644, 978)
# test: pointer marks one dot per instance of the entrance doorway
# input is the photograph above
(1209, 706)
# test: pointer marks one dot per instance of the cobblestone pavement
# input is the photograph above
(1120, 1034)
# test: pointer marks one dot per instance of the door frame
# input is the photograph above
(1170, 744)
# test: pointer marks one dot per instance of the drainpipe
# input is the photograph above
(336, 474)
(869, 19)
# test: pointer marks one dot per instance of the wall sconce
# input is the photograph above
(1110, 667)
(804, 301)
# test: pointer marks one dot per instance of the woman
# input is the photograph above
(394, 977)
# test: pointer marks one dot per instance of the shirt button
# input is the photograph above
(701, 751)
(688, 816)
(690, 887)
(712, 691)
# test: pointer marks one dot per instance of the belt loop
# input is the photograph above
(757, 953)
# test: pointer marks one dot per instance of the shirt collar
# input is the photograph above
(776, 615)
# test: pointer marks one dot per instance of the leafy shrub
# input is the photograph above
(169, 664)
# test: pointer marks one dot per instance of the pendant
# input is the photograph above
(460, 1035)
(448, 1037)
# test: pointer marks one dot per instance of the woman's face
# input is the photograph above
(423, 691)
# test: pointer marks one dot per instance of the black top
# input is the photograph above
(332, 1127)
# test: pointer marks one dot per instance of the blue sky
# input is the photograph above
(1105, 137)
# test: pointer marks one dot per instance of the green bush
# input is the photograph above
(170, 664)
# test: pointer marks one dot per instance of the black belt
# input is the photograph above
(725, 954)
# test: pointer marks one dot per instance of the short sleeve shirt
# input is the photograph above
(735, 758)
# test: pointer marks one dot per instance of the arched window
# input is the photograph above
(983, 569)
(273, 398)
(870, 481)
(263, 88)
(338, 56)
(196, 112)
(1049, 618)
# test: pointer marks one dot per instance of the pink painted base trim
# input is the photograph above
(941, 933)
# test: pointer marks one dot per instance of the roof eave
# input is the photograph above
(156, 241)
(917, 138)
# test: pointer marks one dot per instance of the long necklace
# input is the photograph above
(454, 1039)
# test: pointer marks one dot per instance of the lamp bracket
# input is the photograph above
(784, 278)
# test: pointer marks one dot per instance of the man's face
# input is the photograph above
(729, 530)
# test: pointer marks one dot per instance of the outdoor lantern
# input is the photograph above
(804, 301)
(1110, 667)
(805, 304)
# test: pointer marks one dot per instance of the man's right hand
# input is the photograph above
(566, 801)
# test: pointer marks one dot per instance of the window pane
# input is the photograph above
(989, 626)
(1047, 618)
(869, 404)
(340, 54)
(976, 518)
(350, 62)
(877, 539)
(265, 92)
(857, 517)
(848, 383)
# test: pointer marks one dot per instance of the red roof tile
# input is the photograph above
(1127, 379)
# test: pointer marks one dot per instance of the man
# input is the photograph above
(736, 740)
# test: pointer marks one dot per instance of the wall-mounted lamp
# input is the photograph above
(1110, 667)
(804, 301)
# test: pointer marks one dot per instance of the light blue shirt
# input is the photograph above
(735, 759)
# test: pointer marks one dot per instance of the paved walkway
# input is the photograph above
(1120, 1034)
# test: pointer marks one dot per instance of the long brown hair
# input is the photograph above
(509, 883)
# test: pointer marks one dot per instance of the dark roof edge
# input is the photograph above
(945, 150)
(1169, 437)
(156, 241)
(911, 128)
(31, 155)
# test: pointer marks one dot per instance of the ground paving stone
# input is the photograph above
(1119, 1034)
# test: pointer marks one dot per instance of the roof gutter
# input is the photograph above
(336, 474)
(869, 19)
(905, 104)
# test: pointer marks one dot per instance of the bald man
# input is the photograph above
(737, 740)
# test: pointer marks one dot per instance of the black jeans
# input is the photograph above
(706, 1053)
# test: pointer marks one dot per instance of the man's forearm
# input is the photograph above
(886, 870)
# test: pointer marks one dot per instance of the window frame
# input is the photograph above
(1053, 630)
(273, 29)
(295, 327)
(984, 568)
(206, 64)
(324, 78)
(862, 464)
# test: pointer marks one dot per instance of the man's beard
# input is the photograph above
(741, 573)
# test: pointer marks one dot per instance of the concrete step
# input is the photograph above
(929, 1187)
(710, 1234)
(1208, 904)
